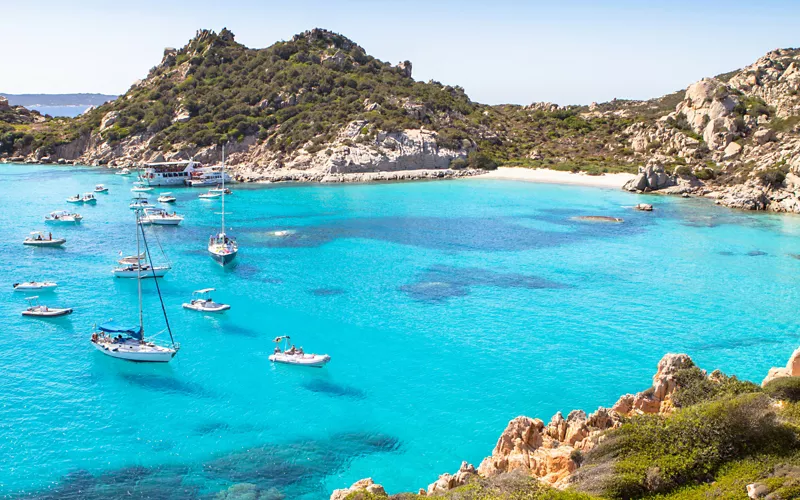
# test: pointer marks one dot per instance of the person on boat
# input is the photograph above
(277, 350)
(38, 237)
(50, 235)
(300, 350)
(291, 350)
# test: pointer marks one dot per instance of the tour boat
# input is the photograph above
(169, 173)
(129, 342)
(210, 196)
(100, 189)
(202, 301)
(75, 199)
(293, 356)
(63, 216)
(88, 198)
(166, 198)
(139, 203)
(222, 247)
(140, 271)
(38, 239)
(124, 171)
(140, 187)
(37, 310)
(160, 217)
(35, 285)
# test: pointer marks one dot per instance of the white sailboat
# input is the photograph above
(222, 247)
(129, 342)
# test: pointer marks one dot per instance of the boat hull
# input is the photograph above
(309, 360)
(24, 287)
(223, 259)
(163, 222)
(217, 310)
(50, 313)
(158, 273)
(45, 243)
(133, 353)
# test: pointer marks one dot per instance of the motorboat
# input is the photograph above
(202, 302)
(139, 203)
(124, 171)
(140, 271)
(222, 247)
(220, 190)
(39, 239)
(100, 189)
(160, 217)
(75, 199)
(294, 356)
(129, 342)
(209, 176)
(166, 198)
(35, 286)
(37, 310)
(63, 216)
(89, 198)
(140, 187)
(209, 196)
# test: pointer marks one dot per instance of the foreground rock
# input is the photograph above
(366, 486)
(792, 369)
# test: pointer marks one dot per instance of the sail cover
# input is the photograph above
(113, 327)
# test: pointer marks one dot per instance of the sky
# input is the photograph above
(562, 51)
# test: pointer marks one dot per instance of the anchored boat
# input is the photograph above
(223, 248)
(294, 356)
(160, 217)
(63, 216)
(100, 189)
(202, 302)
(139, 203)
(166, 198)
(124, 171)
(129, 342)
(39, 239)
(88, 198)
(34, 286)
(37, 310)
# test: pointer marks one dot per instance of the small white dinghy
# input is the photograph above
(34, 285)
(75, 199)
(210, 195)
(37, 310)
(294, 356)
(39, 239)
(140, 187)
(219, 189)
(100, 189)
(124, 171)
(166, 198)
(160, 217)
(64, 216)
(202, 302)
(88, 198)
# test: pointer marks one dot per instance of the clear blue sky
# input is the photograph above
(500, 51)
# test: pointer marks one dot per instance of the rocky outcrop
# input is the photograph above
(651, 177)
(449, 481)
(792, 369)
(367, 486)
(658, 399)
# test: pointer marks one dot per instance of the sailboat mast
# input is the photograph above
(223, 189)
(139, 271)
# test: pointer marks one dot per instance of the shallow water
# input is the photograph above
(448, 309)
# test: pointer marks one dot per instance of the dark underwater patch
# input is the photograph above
(726, 253)
(166, 384)
(326, 292)
(211, 428)
(440, 283)
(329, 388)
(756, 253)
(446, 233)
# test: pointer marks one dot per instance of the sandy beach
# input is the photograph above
(557, 177)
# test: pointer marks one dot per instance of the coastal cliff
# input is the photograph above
(690, 435)
(319, 108)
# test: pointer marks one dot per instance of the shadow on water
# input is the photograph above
(326, 292)
(165, 384)
(442, 233)
(751, 253)
(329, 388)
(440, 283)
(272, 470)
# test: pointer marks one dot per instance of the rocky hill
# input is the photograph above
(318, 107)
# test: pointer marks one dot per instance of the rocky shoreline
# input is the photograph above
(552, 453)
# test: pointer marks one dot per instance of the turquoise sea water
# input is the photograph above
(448, 308)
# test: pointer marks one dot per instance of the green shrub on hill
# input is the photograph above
(785, 389)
